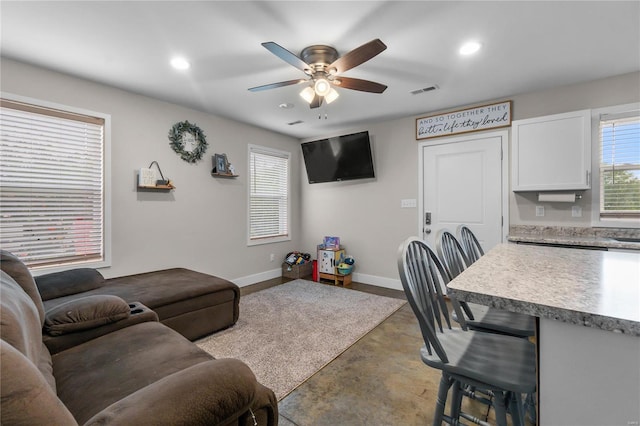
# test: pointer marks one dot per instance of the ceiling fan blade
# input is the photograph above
(316, 102)
(358, 56)
(275, 85)
(286, 56)
(361, 85)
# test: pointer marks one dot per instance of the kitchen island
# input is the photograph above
(588, 305)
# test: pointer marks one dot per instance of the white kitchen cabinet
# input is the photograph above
(552, 153)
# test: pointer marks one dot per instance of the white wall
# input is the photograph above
(367, 215)
(200, 225)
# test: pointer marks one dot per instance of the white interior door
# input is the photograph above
(462, 183)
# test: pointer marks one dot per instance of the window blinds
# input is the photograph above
(51, 185)
(269, 194)
(620, 165)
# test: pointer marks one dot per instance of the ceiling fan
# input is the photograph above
(323, 66)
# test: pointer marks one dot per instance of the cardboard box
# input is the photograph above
(300, 270)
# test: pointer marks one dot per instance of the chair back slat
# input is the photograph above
(470, 243)
(419, 273)
(423, 277)
(455, 261)
(451, 253)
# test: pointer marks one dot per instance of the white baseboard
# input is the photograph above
(391, 283)
(256, 278)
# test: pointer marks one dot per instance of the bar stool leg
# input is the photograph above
(443, 390)
(500, 405)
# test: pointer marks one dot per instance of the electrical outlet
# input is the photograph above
(409, 203)
(272, 257)
(576, 211)
(539, 210)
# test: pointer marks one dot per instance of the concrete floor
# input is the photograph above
(378, 381)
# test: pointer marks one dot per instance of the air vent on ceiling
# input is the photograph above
(425, 89)
(293, 123)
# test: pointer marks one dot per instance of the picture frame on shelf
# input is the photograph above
(220, 161)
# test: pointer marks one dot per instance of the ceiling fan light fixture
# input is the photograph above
(308, 94)
(469, 48)
(322, 87)
(180, 63)
(331, 96)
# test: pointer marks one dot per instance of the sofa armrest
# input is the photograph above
(138, 313)
(213, 392)
(85, 313)
(74, 281)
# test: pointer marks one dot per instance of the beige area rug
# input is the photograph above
(288, 332)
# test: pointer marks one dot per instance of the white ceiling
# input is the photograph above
(527, 46)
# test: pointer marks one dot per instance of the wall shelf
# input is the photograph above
(223, 175)
(157, 188)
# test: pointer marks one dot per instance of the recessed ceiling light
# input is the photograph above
(286, 106)
(469, 48)
(180, 63)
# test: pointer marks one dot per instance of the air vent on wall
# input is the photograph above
(425, 89)
(293, 123)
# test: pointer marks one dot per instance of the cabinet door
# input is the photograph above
(325, 260)
(329, 260)
(552, 152)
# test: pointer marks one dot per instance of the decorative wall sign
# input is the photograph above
(187, 140)
(465, 120)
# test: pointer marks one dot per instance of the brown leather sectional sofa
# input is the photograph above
(121, 365)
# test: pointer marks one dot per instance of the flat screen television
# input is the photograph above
(339, 158)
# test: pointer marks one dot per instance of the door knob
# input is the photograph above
(427, 230)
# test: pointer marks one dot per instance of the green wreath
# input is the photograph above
(190, 149)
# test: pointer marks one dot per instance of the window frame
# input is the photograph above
(106, 154)
(279, 153)
(596, 220)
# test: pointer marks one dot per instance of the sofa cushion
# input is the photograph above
(84, 313)
(17, 270)
(26, 398)
(169, 286)
(19, 323)
(20, 326)
(215, 392)
(95, 374)
(59, 284)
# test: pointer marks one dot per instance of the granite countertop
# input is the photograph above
(575, 241)
(599, 289)
(585, 237)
